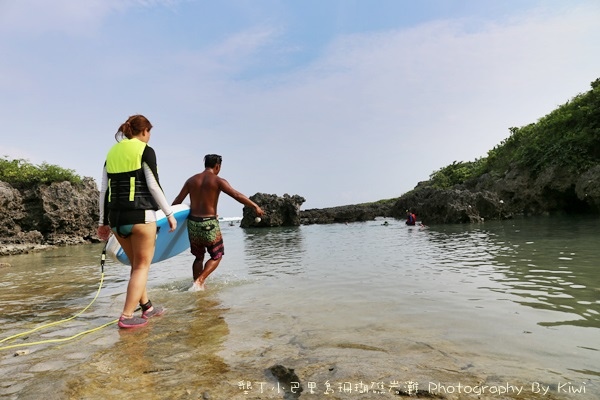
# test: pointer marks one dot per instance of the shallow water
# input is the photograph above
(357, 311)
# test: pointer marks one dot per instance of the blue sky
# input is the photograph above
(340, 102)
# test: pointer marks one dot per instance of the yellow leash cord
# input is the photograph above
(102, 261)
(61, 339)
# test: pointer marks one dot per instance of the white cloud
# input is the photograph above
(381, 111)
(36, 17)
(373, 115)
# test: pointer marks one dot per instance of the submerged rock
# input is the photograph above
(288, 378)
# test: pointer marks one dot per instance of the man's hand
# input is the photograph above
(259, 211)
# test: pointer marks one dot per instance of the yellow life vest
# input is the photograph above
(127, 187)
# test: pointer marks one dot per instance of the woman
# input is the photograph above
(129, 197)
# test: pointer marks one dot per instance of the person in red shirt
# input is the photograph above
(411, 218)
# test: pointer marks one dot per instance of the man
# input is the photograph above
(203, 225)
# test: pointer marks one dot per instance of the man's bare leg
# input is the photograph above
(209, 267)
(197, 268)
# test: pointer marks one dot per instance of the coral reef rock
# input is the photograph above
(279, 211)
(44, 215)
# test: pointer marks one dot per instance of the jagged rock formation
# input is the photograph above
(11, 210)
(349, 213)
(550, 166)
(588, 187)
(42, 215)
(516, 193)
(437, 206)
(279, 211)
(552, 190)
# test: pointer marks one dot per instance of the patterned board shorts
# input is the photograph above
(205, 235)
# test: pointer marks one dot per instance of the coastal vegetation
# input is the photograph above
(20, 173)
(384, 202)
(567, 138)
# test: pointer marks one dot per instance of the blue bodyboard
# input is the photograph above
(168, 244)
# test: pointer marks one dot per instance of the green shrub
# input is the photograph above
(457, 173)
(568, 138)
(21, 172)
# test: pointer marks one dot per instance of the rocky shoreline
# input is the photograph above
(44, 216)
(516, 193)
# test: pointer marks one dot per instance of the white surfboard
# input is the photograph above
(168, 244)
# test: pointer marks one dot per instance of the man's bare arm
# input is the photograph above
(182, 194)
(239, 197)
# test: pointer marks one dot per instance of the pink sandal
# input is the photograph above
(133, 322)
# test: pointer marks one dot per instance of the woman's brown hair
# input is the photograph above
(134, 125)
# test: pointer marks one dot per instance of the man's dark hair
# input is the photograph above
(210, 160)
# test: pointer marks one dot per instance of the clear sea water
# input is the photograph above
(496, 310)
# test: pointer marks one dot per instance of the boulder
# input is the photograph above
(12, 210)
(43, 215)
(553, 190)
(62, 209)
(442, 206)
(279, 211)
(587, 187)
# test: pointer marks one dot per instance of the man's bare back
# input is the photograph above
(204, 190)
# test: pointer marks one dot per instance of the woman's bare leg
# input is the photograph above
(139, 248)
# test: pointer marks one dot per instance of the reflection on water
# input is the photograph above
(549, 264)
(274, 251)
(494, 303)
(554, 269)
(33, 288)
